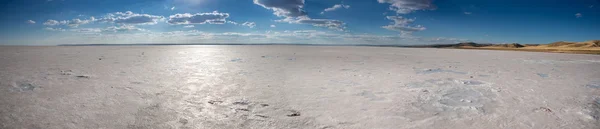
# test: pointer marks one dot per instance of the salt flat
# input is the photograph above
(304, 87)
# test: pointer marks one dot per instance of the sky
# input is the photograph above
(398, 22)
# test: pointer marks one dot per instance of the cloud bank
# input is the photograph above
(335, 7)
(292, 12)
(408, 6)
(199, 18)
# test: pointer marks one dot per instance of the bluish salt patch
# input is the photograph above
(461, 98)
(448, 82)
(484, 75)
(472, 82)
(543, 75)
(595, 85)
(370, 95)
(439, 70)
(24, 86)
(236, 60)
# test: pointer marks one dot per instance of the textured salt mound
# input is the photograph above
(592, 111)
(23, 86)
(451, 98)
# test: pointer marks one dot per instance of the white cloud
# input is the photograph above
(189, 26)
(110, 29)
(335, 7)
(77, 22)
(402, 25)
(292, 12)
(194, 36)
(172, 8)
(30, 22)
(190, 2)
(578, 15)
(273, 26)
(54, 29)
(249, 24)
(283, 8)
(51, 23)
(468, 13)
(404, 7)
(198, 18)
(131, 18)
(123, 28)
(71, 23)
(408, 6)
(232, 22)
(87, 30)
(328, 23)
(443, 40)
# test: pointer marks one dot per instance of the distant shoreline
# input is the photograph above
(294, 44)
(588, 47)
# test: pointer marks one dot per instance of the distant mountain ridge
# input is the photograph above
(563, 44)
(591, 43)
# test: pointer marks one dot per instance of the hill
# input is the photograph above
(587, 47)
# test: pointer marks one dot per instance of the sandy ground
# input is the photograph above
(304, 87)
(546, 49)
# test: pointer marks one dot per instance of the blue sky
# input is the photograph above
(51, 22)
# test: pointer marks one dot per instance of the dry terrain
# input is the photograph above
(588, 47)
(299, 87)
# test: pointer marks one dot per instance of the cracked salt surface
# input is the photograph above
(299, 87)
(453, 98)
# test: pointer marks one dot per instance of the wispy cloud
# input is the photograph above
(110, 29)
(131, 18)
(52, 22)
(198, 18)
(408, 6)
(335, 7)
(249, 24)
(292, 11)
(468, 13)
(123, 28)
(195, 36)
(328, 23)
(71, 23)
(283, 8)
(54, 29)
(578, 15)
(30, 22)
(401, 24)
